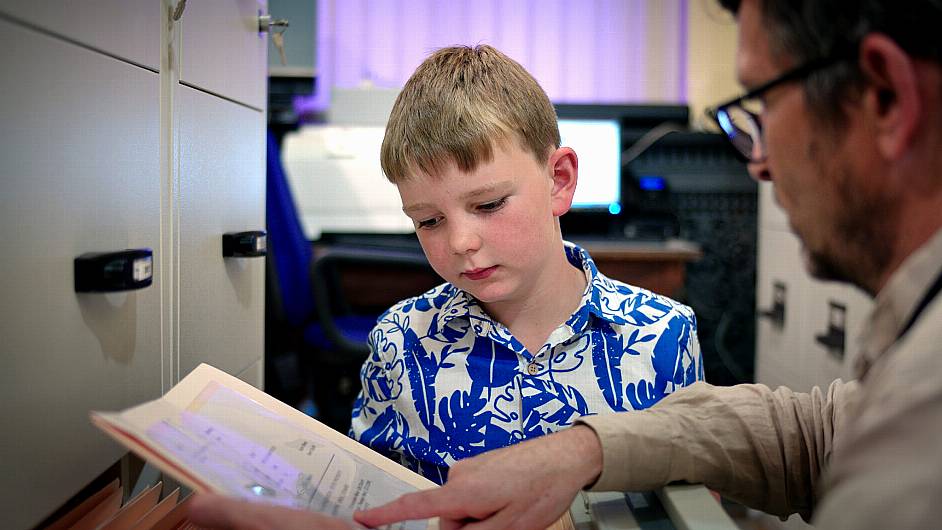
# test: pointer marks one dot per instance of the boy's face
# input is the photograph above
(491, 232)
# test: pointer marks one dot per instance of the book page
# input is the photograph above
(216, 433)
(229, 443)
(218, 438)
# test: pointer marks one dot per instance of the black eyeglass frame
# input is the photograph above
(798, 73)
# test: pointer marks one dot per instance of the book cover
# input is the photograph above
(216, 433)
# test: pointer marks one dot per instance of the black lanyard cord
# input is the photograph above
(923, 304)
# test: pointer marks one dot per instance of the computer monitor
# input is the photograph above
(597, 143)
(591, 217)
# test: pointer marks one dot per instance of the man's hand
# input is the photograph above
(527, 486)
(214, 511)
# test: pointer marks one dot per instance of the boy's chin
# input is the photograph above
(489, 295)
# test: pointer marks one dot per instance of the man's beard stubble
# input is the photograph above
(862, 235)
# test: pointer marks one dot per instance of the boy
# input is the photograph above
(527, 336)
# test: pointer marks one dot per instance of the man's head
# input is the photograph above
(472, 144)
(849, 142)
(458, 105)
(800, 31)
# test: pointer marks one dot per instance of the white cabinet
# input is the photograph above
(771, 216)
(779, 298)
(223, 49)
(104, 149)
(126, 29)
(79, 172)
(222, 302)
(835, 308)
(815, 342)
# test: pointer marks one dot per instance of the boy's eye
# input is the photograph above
(493, 205)
(429, 223)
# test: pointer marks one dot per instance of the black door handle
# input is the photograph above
(123, 270)
(834, 338)
(251, 244)
(776, 313)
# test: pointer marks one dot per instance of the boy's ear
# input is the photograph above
(565, 167)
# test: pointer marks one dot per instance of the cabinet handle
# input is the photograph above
(777, 312)
(124, 270)
(834, 338)
(244, 244)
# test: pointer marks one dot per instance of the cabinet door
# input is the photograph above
(780, 359)
(771, 214)
(79, 172)
(833, 306)
(221, 189)
(128, 29)
(825, 308)
(223, 51)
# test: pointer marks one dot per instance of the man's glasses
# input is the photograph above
(739, 118)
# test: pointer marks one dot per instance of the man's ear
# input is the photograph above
(892, 97)
(564, 165)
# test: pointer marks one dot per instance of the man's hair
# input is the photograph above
(804, 30)
(458, 105)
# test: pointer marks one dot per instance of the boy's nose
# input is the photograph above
(464, 240)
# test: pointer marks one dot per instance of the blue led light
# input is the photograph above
(614, 208)
(651, 183)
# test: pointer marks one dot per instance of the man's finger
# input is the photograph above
(418, 505)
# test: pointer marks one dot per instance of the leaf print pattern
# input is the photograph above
(463, 426)
(607, 352)
(444, 381)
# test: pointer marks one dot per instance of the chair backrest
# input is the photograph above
(289, 249)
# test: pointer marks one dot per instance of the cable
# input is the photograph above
(648, 139)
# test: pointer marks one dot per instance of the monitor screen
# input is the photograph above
(597, 143)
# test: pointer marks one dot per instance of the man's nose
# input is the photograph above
(759, 170)
(464, 238)
(758, 165)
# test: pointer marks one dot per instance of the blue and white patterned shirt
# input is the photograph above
(444, 381)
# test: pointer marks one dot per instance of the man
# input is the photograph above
(849, 129)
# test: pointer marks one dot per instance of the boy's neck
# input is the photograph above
(556, 295)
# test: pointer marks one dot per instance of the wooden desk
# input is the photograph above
(659, 266)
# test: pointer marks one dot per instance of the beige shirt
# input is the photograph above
(859, 455)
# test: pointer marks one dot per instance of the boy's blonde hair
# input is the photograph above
(460, 103)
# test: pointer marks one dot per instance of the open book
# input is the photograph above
(216, 433)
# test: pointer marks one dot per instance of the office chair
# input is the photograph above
(309, 315)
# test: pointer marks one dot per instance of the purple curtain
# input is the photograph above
(581, 51)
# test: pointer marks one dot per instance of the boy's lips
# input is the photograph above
(479, 274)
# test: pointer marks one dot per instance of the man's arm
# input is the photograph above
(760, 447)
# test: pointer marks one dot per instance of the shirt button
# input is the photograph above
(533, 368)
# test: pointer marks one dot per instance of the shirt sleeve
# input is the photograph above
(763, 448)
(693, 347)
(376, 394)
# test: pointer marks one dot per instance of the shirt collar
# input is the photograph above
(597, 285)
(895, 303)
(465, 307)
